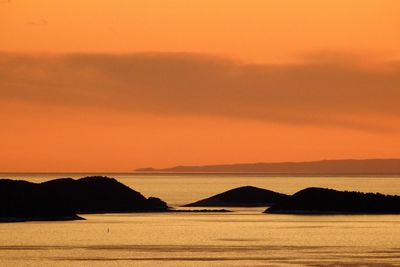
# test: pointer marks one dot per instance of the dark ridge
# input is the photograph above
(315, 200)
(350, 166)
(201, 211)
(246, 196)
(66, 197)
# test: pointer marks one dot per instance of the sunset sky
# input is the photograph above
(101, 85)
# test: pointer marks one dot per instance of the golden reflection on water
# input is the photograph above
(242, 238)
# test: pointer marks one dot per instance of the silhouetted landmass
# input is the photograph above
(368, 166)
(246, 196)
(328, 201)
(64, 198)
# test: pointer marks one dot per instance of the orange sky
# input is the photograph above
(117, 85)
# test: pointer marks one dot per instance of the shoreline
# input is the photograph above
(41, 219)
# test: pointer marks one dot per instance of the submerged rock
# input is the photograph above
(201, 211)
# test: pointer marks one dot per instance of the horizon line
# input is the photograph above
(152, 170)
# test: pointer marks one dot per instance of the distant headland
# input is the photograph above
(347, 166)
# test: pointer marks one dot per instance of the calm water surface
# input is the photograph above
(245, 237)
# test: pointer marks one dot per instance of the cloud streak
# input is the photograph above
(40, 22)
(318, 91)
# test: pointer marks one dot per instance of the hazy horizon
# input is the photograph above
(202, 165)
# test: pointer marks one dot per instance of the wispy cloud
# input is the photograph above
(40, 22)
(320, 91)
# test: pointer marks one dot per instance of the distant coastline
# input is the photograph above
(322, 167)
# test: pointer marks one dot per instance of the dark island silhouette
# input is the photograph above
(246, 196)
(64, 198)
(328, 201)
(350, 166)
(200, 211)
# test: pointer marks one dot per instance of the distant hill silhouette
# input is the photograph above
(246, 196)
(367, 166)
(327, 201)
(64, 198)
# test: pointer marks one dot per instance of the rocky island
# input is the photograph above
(328, 201)
(64, 198)
(246, 196)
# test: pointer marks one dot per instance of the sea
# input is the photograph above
(244, 237)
